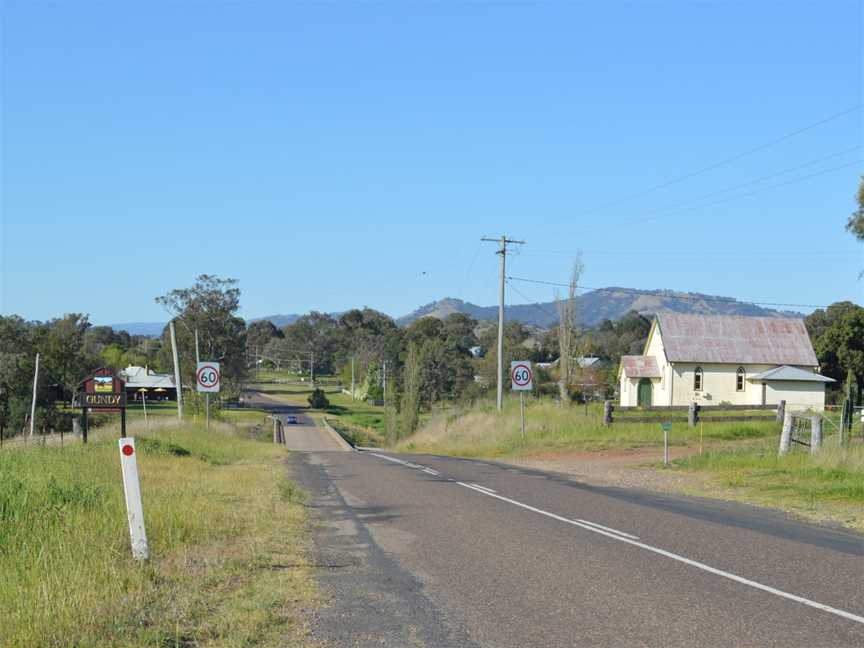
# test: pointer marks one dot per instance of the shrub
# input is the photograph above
(318, 400)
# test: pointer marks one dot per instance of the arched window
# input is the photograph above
(739, 379)
(697, 379)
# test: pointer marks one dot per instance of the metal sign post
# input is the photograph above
(208, 379)
(522, 380)
(522, 412)
(134, 508)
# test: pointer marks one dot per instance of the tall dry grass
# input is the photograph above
(217, 521)
(483, 431)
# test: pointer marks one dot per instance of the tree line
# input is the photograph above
(428, 362)
(70, 348)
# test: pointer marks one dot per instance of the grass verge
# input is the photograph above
(826, 486)
(226, 532)
(483, 431)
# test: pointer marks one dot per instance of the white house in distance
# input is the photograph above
(724, 359)
(143, 382)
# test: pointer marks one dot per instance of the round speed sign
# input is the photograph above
(521, 375)
(208, 377)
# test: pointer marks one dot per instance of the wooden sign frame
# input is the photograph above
(103, 392)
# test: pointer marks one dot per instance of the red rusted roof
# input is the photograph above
(735, 339)
(640, 366)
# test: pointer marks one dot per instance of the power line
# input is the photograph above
(665, 296)
(700, 255)
(724, 161)
(530, 303)
(468, 271)
(770, 176)
(744, 195)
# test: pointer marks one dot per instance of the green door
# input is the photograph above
(643, 398)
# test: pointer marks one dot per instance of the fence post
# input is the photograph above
(76, 426)
(781, 411)
(275, 429)
(607, 412)
(786, 434)
(815, 433)
(691, 414)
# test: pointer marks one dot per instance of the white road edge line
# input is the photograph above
(485, 488)
(407, 464)
(687, 561)
(610, 529)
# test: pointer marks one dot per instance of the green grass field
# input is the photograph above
(828, 485)
(226, 531)
(482, 431)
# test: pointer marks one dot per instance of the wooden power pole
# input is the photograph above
(502, 252)
(176, 370)
(33, 402)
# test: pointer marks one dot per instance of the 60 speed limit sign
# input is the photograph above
(521, 375)
(207, 377)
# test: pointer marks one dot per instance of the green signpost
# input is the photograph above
(666, 427)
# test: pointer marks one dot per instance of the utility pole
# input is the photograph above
(312, 369)
(176, 370)
(385, 384)
(33, 402)
(352, 377)
(197, 395)
(502, 252)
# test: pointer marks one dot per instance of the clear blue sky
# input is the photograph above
(332, 155)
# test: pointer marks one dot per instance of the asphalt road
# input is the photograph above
(302, 436)
(429, 551)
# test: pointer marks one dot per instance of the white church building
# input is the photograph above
(723, 359)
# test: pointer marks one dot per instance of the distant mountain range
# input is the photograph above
(598, 305)
(593, 307)
(279, 320)
(147, 329)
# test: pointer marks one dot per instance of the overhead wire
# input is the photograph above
(724, 161)
(528, 301)
(739, 196)
(684, 205)
(467, 281)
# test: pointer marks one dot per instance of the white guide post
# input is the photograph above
(134, 509)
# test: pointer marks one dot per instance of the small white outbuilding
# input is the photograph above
(724, 359)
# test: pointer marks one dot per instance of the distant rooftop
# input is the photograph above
(640, 366)
(791, 374)
(736, 339)
(138, 377)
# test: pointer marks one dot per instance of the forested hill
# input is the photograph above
(598, 305)
(594, 307)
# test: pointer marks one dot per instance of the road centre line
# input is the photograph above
(610, 529)
(687, 561)
(633, 540)
(485, 488)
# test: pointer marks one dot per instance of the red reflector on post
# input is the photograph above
(128, 450)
